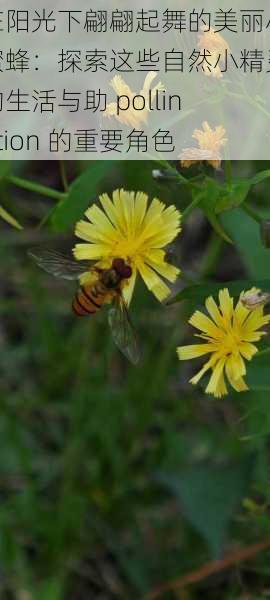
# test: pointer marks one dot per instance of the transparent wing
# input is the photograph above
(59, 264)
(123, 332)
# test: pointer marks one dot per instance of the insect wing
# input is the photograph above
(59, 264)
(123, 332)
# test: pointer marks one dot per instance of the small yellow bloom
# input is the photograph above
(229, 334)
(217, 46)
(132, 117)
(129, 227)
(210, 142)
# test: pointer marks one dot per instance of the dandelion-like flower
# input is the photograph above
(229, 334)
(210, 142)
(129, 227)
(132, 117)
(217, 46)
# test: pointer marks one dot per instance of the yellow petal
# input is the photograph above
(216, 380)
(165, 269)
(100, 220)
(248, 350)
(255, 321)
(237, 383)
(205, 368)
(235, 368)
(118, 208)
(202, 322)
(128, 289)
(88, 232)
(214, 311)
(169, 228)
(226, 304)
(153, 282)
(140, 211)
(194, 351)
(109, 208)
(221, 389)
(240, 313)
(90, 251)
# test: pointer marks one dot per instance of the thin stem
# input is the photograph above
(216, 566)
(36, 187)
(63, 174)
(213, 252)
(191, 207)
(228, 172)
(251, 212)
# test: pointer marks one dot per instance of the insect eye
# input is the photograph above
(127, 272)
(122, 268)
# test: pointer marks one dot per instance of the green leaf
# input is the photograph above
(212, 218)
(209, 196)
(199, 293)
(259, 177)
(5, 168)
(255, 414)
(83, 191)
(210, 496)
(246, 235)
(258, 376)
(9, 218)
(223, 197)
(232, 195)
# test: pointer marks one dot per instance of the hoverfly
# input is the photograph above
(90, 298)
(255, 298)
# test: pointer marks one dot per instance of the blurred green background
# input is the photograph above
(115, 479)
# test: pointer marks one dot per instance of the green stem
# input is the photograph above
(212, 256)
(228, 172)
(191, 207)
(63, 174)
(36, 187)
(252, 213)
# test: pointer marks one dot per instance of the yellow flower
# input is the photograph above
(217, 46)
(210, 141)
(132, 117)
(229, 334)
(129, 227)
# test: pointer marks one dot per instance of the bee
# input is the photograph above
(255, 298)
(90, 298)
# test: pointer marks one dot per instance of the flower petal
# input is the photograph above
(153, 281)
(216, 382)
(128, 289)
(90, 251)
(194, 351)
(237, 383)
(214, 311)
(226, 304)
(88, 232)
(203, 323)
(205, 368)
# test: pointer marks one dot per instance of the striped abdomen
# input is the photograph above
(88, 300)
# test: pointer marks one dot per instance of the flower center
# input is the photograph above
(231, 342)
(127, 248)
